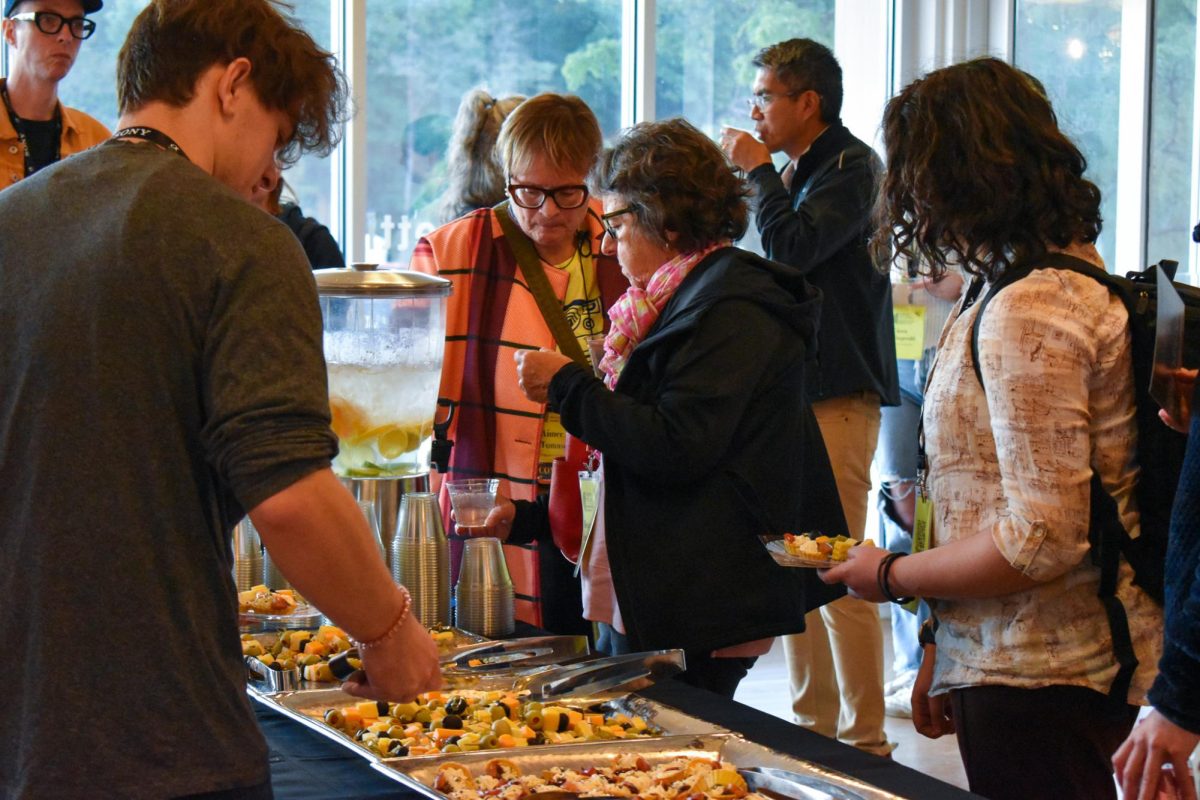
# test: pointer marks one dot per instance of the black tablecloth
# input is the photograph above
(308, 766)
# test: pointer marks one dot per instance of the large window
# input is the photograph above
(1169, 200)
(92, 84)
(703, 50)
(423, 55)
(1074, 48)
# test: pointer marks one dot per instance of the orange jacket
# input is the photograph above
(80, 132)
(491, 313)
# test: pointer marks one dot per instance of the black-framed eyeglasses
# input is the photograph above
(565, 197)
(604, 218)
(50, 23)
(761, 100)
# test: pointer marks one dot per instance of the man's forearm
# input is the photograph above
(320, 540)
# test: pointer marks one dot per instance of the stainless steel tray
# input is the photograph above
(309, 707)
(261, 679)
(813, 781)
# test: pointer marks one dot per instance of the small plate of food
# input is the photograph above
(260, 604)
(813, 550)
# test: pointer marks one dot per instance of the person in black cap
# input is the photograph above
(36, 130)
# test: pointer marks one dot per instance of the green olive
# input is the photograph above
(423, 716)
(452, 748)
(334, 717)
(487, 741)
(501, 726)
(395, 732)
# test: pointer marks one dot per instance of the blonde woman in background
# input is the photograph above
(475, 176)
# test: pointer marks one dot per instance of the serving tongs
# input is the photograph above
(272, 679)
(487, 657)
(603, 677)
(531, 651)
(782, 783)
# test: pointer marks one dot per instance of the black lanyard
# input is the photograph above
(19, 126)
(152, 135)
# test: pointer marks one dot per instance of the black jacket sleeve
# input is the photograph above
(829, 216)
(532, 522)
(685, 428)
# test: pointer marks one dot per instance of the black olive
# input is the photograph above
(453, 740)
(456, 705)
(275, 666)
(382, 707)
(539, 738)
(452, 721)
(395, 748)
(360, 733)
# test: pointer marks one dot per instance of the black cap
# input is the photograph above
(89, 6)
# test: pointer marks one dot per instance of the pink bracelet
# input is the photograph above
(390, 632)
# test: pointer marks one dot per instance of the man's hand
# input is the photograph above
(398, 668)
(1185, 383)
(1155, 743)
(931, 716)
(947, 287)
(535, 369)
(743, 149)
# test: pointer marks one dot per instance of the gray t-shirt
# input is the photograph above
(161, 370)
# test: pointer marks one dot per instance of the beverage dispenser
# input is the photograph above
(385, 334)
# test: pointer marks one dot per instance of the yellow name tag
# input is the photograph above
(922, 535)
(910, 331)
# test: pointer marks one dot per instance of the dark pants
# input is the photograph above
(718, 675)
(1054, 743)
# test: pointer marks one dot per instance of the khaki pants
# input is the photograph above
(836, 665)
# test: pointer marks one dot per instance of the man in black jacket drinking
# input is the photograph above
(815, 216)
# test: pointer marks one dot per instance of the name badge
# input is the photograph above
(589, 496)
(922, 534)
(909, 324)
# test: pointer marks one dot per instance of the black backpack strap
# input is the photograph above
(1105, 530)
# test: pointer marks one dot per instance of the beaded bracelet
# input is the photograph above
(390, 632)
(881, 578)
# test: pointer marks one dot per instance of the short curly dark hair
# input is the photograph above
(173, 42)
(979, 170)
(677, 180)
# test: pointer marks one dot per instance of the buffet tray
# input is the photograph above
(810, 781)
(308, 708)
(261, 679)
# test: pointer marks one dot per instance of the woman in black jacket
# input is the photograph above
(707, 441)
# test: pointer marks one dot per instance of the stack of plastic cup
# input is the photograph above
(421, 557)
(247, 556)
(484, 594)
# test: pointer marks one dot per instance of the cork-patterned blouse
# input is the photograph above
(1056, 360)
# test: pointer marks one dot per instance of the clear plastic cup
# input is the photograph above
(472, 500)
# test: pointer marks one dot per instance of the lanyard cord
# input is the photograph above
(152, 135)
(19, 126)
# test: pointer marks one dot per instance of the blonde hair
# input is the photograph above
(475, 177)
(559, 126)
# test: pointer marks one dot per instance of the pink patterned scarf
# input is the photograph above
(636, 311)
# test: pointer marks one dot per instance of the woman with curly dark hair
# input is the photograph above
(1022, 662)
(700, 418)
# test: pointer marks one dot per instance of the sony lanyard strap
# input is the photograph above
(19, 126)
(152, 135)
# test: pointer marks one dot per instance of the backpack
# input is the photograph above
(1160, 449)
